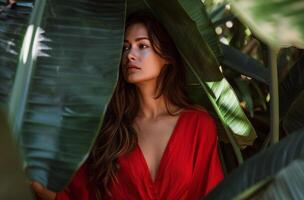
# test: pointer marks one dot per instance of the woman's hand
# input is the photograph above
(41, 192)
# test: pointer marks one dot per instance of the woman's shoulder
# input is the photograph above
(198, 111)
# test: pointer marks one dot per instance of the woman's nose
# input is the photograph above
(132, 54)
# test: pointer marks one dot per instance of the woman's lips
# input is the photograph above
(132, 68)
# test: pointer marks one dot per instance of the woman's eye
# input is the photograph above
(125, 48)
(142, 46)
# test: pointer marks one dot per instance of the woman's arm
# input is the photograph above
(76, 190)
(208, 170)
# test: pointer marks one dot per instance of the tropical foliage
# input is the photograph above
(59, 62)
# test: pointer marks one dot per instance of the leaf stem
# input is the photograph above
(274, 96)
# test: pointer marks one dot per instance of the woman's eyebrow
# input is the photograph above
(138, 39)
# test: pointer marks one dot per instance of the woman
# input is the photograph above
(153, 143)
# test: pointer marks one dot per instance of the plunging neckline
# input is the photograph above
(164, 155)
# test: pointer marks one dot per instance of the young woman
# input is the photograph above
(154, 144)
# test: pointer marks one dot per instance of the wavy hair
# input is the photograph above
(117, 136)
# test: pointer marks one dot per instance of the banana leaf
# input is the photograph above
(289, 181)
(13, 23)
(266, 171)
(67, 68)
(244, 64)
(13, 182)
(277, 23)
(292, 98)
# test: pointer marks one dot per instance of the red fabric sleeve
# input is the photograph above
(77, 189)
(208, 165)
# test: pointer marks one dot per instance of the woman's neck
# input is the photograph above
(150, 106)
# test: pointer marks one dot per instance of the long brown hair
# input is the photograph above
(117, 136)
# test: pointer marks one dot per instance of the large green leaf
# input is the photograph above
(13, 182)
(204, 25)
(230, 113)
(277, 23)
(266, 168)
(292, 98)
(289, 182)
(66, 72)
(13, 23)
(244, 64)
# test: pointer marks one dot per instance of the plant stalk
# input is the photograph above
(274, 96)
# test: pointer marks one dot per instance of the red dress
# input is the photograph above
(190, 166)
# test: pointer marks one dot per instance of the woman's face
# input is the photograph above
(140, 63)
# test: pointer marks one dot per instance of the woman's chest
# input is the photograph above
(173, 175)
(153, 140)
